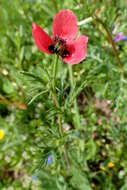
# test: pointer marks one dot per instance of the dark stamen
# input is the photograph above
(51, 48)
(65, 53)
(59, 40)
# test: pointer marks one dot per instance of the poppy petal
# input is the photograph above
(78, 51)
(65, 25)
(42, 39)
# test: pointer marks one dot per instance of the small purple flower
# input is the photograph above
(120, 36)
(34, 177)
(77, 134)
(125, 38)
(50, 159)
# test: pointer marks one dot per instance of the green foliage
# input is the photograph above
(29, 115)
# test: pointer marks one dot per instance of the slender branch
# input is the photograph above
(55, 5)
(61, 132)
(110, 40)
(90, 19)
(18, 105)
(77, 115)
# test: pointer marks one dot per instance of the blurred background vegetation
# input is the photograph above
(31, 151)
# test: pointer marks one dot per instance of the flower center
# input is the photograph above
(51, 48)
(65, 53)
(59, 47)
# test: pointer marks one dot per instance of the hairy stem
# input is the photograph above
(77, 115)
(61, 132)
(54, 73)
(54, 93)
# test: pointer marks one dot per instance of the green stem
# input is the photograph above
(54, 72)
(77, 114)
(54, 93)
(61, 132)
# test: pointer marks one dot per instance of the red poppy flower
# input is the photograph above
(64, 43)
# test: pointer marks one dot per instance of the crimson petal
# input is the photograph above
(42, 39)
(65, 25)
(78, 50)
